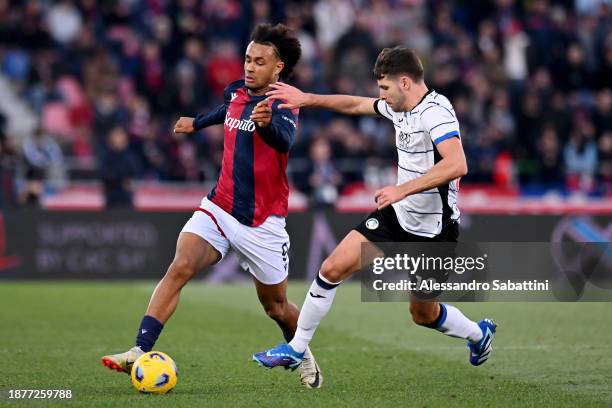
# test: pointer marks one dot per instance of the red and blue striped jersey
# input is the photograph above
(253, 181)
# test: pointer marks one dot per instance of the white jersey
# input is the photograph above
(416, 135)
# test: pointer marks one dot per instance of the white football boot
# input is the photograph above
(310, 373)
(122, 362)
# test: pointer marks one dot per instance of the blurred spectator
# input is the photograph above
(604, 171)
(515, 51)
(550, 172)
(603, 78)
(603, 111)
(8, 165)
(225, 66)
(44, 166)
(64, 21)
(151, 152)
(333, 18)
(119, 167)
(323, 178)
(182, 159)
(572, 73)
(580, 156)
(605, 163)
(151, 79)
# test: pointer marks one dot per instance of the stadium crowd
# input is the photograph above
(91, 89)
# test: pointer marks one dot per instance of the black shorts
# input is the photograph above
(383, 226)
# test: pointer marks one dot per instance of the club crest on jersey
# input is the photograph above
(403, 140)
(233, 123)
(371, 223)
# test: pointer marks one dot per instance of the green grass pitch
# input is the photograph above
(545, 354)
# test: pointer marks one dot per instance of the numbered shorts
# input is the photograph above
(263, 250)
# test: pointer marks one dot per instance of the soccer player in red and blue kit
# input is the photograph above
(245, 212)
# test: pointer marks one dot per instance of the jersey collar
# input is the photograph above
(422, 99)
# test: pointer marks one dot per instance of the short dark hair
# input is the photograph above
(284, 42)
(397, 61)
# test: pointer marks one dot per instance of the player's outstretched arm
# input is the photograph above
(452, 166)
(189, 125)
(293, 97)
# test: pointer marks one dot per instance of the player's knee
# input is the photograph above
(181, 269)
(331, 271)
(423, 316)
(275, 310)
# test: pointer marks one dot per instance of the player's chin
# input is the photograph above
(252, 84)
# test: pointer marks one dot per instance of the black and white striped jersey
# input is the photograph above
(417, 133)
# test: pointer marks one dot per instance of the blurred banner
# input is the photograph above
(123, 244)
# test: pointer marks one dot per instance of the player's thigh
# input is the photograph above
(195, 252)
(200, 243)
(346, 258)
(264, 250)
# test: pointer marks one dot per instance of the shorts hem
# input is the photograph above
(270, 283)
(212, 244)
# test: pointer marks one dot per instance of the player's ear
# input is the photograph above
(405, 83)
(279, 67)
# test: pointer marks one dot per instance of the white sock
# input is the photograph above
(454, 323)
(318, 301)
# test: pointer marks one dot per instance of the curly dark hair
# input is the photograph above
(284, 42)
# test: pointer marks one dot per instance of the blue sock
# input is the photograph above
(149, 331)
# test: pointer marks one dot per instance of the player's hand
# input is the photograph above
(388, 195)
(262, 114)
(291, 96)
(184, 125)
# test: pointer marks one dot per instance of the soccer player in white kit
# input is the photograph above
(421, 207)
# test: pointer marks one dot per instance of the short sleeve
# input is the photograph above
(440, 123)
(381, 108)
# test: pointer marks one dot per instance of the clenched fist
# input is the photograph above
(184, 125)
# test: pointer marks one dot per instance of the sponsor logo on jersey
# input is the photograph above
(289, 120)
(233, 123)
(371, 223)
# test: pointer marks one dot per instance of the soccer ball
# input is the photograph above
(154, 373)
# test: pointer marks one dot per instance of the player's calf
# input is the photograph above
(279, 311)
(425, 313)
(285, 314)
